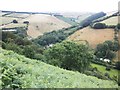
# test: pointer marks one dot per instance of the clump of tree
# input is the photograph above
(107, 50)
(118, 25)
(26, 22)
(117, 65)
(21, 45)
(56, 36)
(15, 21)
(99, 26)
(69, 55)
(91, 18)
(51, 38)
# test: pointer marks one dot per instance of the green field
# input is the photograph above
(112, 72)
(19, 71)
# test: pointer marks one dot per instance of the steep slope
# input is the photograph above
(41, 23)
(18, 71)
(92, 36)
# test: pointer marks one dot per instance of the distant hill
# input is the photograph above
(41, 23)
(96, 36)
(21, 72)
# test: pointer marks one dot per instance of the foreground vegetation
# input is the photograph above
(20, 72)
(112, 72)
(65, 54)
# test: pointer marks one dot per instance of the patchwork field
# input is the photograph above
(41, 23)
(111, 21)
(92, 36)
(6, 21)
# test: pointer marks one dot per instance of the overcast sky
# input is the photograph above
(60, 5)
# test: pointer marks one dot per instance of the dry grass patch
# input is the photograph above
(93, 36)
(41, 23)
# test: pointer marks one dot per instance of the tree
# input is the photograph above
(29, 52)
(26, 22)
(69, 55)
(15, 21)
(91, 18)
(117, 65)
(99, 26)
(106, 50)
(118, 25)
(14, 47)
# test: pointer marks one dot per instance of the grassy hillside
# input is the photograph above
(18, 71)
(41, 23)
(111, 21)
(92, 36)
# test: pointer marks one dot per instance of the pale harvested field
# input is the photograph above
(93, 36)
(41, 23)
(111, 21)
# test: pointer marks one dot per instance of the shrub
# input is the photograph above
(99, 26)
(15, 21)
(108, 68)
(107, 75)
(106, 50)
(26, 22)
(118, 25)
(29, 52)
(69, 55)
(117, 65)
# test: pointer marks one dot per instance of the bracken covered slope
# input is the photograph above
(19, 71)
